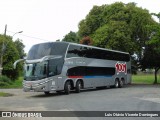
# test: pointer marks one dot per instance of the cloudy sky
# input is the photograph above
(50, 20)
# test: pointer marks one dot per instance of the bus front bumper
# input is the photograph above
(30, 86)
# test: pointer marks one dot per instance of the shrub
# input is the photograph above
(2, 84)
(5, 80)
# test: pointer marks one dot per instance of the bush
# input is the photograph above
(5, 80)
(12, 74)
(2, 84)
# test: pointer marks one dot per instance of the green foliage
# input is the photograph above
(151, 52)
(20, 47)
(151, 57)
(101, 36)
(11, 52)
(93, 21)
(4, 81)
(124, 27)
(16, 84)
(10, 56)
(71, 37)
(2, 84)
(117, 26)
(155, 37)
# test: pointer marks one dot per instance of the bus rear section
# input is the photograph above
(94, 73)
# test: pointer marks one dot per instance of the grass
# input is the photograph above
(144, 79)
(137, 79)
(2, 94)
(15, 84)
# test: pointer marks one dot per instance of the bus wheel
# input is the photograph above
(67, 87)
(47, 93)
(120, 83)
(78, 86)
(116, 85)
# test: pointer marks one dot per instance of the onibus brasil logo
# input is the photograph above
(121, 67)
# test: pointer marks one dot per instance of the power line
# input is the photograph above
(30, 36)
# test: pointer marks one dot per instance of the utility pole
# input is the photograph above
(5, 30)
(2, 51)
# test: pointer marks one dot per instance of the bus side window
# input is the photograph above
(55, 67)
(59, 66)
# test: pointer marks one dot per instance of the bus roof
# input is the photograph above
(87, 46)
(93, 47)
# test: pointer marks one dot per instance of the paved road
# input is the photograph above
(129, 98)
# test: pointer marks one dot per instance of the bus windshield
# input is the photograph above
(35, 71)
(41, 70)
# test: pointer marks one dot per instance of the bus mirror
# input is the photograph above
(15, 63)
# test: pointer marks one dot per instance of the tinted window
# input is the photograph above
(55, 67)
(38, 51)
(90, 71)
(73, 51)
(81, 51)
(52, 48)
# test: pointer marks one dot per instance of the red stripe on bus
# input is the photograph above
(75, 76)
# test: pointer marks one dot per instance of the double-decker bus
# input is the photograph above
(62, 66)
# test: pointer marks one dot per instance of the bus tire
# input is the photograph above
(78, 86)
(46, 92)
(67, 87)
(116, 84)
(120, 83)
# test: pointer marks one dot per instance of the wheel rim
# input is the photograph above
(121, 82)
(69, 87)
(116, 85)
(79, 85)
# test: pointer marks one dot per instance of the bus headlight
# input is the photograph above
(53, 82)
(41, 83)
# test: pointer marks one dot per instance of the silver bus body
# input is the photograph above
(74, 67)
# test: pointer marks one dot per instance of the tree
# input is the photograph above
(117, 26)
(93, 21)
(120, 27)
(71, 37)
(151, 60)
(10, 55)
(152, 50)
(20, 47)
(114, 36)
